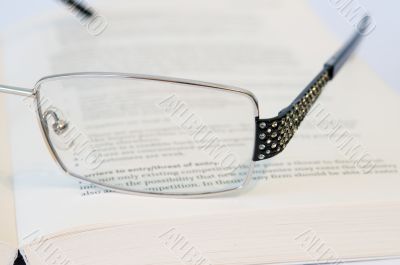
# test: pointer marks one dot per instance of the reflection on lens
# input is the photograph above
(149, 136)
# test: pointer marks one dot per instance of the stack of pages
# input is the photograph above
(312, 204)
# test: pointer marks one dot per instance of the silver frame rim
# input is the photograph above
(53, 153)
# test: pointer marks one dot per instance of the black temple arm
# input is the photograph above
(336, 62)
(80, 7)
(272, 135)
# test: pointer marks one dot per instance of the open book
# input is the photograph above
(311, 204)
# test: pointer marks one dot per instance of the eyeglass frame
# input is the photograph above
(263, 128)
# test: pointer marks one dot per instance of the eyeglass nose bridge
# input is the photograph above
(59, 126)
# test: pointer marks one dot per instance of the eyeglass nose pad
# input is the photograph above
(59, 126)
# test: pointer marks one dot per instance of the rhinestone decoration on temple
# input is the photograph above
(274, 134)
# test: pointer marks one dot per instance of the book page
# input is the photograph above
(271, 48)
(242, 238)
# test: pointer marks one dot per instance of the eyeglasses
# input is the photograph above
(163, 136)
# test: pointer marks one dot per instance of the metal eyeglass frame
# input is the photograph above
(271, 135)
